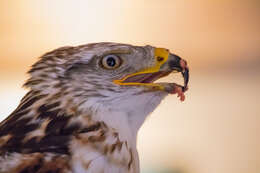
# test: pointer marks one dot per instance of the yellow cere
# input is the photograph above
(158, 52)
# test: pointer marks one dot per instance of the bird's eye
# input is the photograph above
(111, 61)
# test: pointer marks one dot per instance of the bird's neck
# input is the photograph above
(125, 124)
(127, 115)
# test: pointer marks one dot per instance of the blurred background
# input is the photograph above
(216, 130)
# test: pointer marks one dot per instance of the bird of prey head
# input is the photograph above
(85, 106)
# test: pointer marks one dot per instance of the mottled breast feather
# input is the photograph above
(33, 133)
(39, 138)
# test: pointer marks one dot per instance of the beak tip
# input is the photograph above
(185, 74)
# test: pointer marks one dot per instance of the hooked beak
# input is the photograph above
(165, 63)
(175, 63)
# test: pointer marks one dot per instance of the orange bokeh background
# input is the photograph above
(216, 130)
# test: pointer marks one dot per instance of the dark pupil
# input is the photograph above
(111, 62)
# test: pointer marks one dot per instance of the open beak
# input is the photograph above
(165, 63)
(175, 63)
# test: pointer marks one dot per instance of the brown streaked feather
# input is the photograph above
(40, 163)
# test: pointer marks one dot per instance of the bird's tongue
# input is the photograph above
(144, 78)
